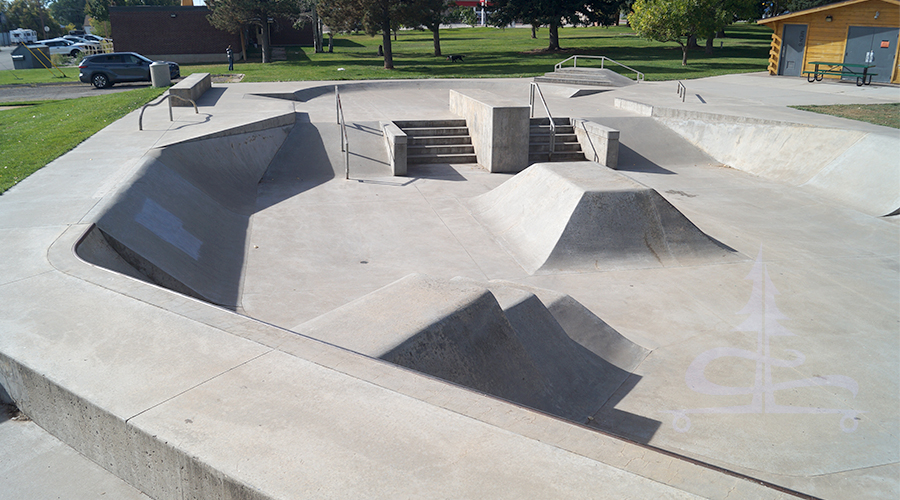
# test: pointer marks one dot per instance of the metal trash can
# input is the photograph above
(159, 74)
(35, 56)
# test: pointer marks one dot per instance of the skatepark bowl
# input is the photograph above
(226, 316)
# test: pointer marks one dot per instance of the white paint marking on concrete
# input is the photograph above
(763, 321)
(168, 227)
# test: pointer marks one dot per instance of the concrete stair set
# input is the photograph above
(566, 146)
(585, 76)
(448, 141)
(438, 141)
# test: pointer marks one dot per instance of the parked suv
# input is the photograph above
(103, 70)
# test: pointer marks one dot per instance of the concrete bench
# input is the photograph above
(191, 87)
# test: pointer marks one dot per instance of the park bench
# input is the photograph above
(190, 88)
(843, 70)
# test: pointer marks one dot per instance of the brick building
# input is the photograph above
(184, 35)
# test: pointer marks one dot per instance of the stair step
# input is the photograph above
(574, 81)
(545, 138)
(434, 131)
(546, 121)
(558, 147)
(441, 158)
(439, 150)
(427, 140)
(545, 129)
(559, 156)
(404, 124)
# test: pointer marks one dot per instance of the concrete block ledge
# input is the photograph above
(395, 141)
(287, 391)
(498, 126)
(599, 143)
(191, 87)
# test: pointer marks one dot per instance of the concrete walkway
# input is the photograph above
(182, 398)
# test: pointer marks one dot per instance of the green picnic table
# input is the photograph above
(844, 70)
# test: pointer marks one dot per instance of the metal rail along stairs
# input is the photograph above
(565, 148)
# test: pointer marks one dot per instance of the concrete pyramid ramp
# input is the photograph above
(584, 327)
(581, 216)
(493, 338)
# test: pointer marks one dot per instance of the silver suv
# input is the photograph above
(103, 70)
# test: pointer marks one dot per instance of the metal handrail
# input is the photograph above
(682, 91)
(168, 98)
(540, 94)
(345, 141)
(603, 59)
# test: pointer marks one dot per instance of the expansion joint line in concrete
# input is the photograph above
(19, 280)
(145, 410)
(453, 233)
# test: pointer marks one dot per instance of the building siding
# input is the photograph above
(827, 41)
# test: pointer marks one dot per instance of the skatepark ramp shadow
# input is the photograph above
(181, 222)
(534, 347)
(581, 217)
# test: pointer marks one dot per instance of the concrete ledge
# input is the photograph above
(599, 143)
(191, 87)
(634, 106)
(499, 129)
(395, 141)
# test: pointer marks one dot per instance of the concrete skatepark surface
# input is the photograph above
(780, 363)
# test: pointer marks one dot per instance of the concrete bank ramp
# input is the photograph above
(581, 216)
(858, 168)
(493, 338)
(181, 220)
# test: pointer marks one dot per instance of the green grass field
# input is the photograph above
(32, 136)
(504, 53)
(887, 115)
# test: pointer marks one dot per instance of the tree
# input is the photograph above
(33, 14)
(427, 13)
(677, 20)
(69, 12)
(373, 16)
(231, 15)
(778, 7)
(99, 9)
(553, 13)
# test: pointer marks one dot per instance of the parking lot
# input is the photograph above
(67, 88)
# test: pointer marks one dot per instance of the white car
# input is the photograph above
(64, 47)
(95, 38)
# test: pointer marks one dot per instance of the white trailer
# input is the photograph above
(23, 36)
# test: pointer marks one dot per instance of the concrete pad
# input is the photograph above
(312, 415)
(364, 455)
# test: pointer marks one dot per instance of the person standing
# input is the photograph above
(230, 54)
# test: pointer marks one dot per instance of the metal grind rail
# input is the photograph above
(168, 98)
(345, 142)
(603, 59)
(540, 94)
(682, 91)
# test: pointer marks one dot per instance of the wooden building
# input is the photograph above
(853, 32)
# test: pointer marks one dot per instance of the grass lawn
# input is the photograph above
(887, 115)
(505, 53)
(34, 135)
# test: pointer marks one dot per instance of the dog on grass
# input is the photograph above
(455, 57)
